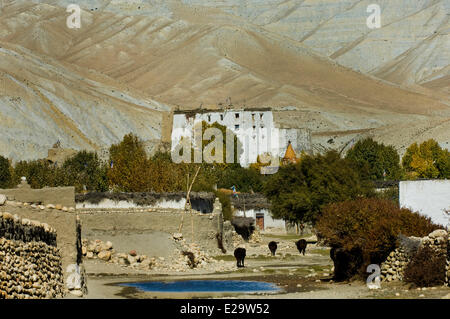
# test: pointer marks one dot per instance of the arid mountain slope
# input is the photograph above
(42, 101)
(274, 53)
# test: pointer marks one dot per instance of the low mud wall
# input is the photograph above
(64, 196)
(201, 202)
(149, 232)
(30, 262)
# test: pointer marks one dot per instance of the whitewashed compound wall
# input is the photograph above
(430, 198)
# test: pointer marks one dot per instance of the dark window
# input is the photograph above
(236, 127)
(221, 117)
(237, 115)
(261, 115)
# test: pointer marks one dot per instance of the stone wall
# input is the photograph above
(394, 266)
(30, 262)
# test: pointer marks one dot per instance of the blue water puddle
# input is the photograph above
(206, 286)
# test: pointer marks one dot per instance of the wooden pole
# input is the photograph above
(188, 204)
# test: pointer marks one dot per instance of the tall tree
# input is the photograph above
(427, 160)
(375, 160)
(85, 171)
(130, 167)
(298, 192)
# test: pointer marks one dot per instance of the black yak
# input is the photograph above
(239, 253)
(301, 246)
(273, 247)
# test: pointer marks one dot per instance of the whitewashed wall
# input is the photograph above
(108, 203)
(429, 198)
(269, 222)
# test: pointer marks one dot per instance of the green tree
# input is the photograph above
(39, 173)
(5, 173)
(375, 159)
(298, 192)
(85, 171)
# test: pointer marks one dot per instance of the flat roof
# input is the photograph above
(202, 110)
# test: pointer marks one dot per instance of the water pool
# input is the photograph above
(205, 286)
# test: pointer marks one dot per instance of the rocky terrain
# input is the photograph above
(314, 61)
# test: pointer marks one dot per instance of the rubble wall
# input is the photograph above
(30, 262)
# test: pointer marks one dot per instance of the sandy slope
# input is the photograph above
(194, 53)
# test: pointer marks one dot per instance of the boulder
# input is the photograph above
(178, 236)
(131, 259)
(133, 253)
(104, 255)
(438, 233)
(2, 199)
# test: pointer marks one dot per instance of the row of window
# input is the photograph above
(236, 127)
(236, 115)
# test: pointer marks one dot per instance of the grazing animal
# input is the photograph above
(239, 253)
(273, 247)
(301, 246)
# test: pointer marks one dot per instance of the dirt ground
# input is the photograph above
(300, 277)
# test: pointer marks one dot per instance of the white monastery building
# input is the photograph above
(255, 129)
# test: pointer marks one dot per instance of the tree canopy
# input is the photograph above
(375, 160)
(298, 192)
(5, 173)
(427, 160)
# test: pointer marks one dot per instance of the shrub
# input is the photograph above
(371, 225)
(426, 268)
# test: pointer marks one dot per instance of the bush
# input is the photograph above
(370, 225)
(426, 268)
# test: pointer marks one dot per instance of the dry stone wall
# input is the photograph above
(394, 266)
(30, 262)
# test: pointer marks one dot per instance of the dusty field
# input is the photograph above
(300, 277)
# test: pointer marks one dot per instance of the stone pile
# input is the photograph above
(392, 269)
(255, 237)
(97, 249)
(237, 239)
(394, 266)
(30, 263)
